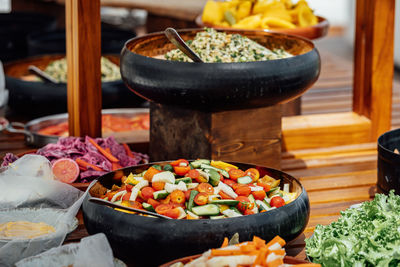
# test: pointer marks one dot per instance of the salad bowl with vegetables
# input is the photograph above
(207, 200)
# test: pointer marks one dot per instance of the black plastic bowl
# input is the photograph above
(219, 86)
(389, 162)
(146, 241)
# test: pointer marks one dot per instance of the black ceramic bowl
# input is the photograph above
(389, 162)
(219, 86)
(146, 241)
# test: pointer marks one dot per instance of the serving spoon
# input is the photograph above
(113, 205)
(177, 40)
(41, 74)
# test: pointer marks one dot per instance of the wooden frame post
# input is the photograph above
(374, 63)
(84, 76)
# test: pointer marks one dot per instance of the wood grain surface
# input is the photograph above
(84, 78)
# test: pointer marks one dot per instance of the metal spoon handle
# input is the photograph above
(43, 75)
(174, 37)
(113, 205)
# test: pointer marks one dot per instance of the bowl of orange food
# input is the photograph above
(271, 16)
(237, 198)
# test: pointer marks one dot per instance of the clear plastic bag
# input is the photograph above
(29, 193)
(91, 251)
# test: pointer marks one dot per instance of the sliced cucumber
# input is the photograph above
(217, 217)
(261, 205)
(272, 190)
(223, 172)
(244, 180)
(206, 210)
(227, 190)
(161, 194)
(193, 194)
(214, 177)
(192, 214)
(229, 202)
(235, 209)
(231, 213)
(168, 167)
(196, 164)
(186, 180)
(148, 207)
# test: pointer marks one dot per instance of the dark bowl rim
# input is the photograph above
(125, 49)
(302, 194)
(380, 145)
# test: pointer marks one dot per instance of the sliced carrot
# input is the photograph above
(103, 151)
(225, 252)
(276, 239)
(85, 165)
(108, 150)
(258, 242)
(247, 248)
(275, 263)
(128, 151)
(115, 166)
(260, 259)
(225, 243)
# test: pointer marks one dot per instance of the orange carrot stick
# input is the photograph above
(128, 151)
(103, 151)
(225, 252)
(260, 259)
(225, 243)
(258, 242)
(85, 165)
(247, 248)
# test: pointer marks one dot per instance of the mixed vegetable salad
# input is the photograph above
(201, 189)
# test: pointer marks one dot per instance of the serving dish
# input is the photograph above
(311, 32)
(33, 138)
(219, 86)
(36, 98)
(184, 260)
(177, 238)
(389, 162)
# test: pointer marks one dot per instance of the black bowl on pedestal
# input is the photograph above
(389, 162)
(219, 86)
(146, 241)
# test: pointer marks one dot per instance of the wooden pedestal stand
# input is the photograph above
(250, 135)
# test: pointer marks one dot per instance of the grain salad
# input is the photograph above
(213, 46)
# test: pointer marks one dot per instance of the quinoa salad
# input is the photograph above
(213, 46)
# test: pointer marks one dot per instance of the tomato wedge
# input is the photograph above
(224, 195)
(260, 195)
(158, 185)
(244, 203)
(277, 202)
(201, 199)
(147, 192)
(173, 213)
(194, 174)
(181, 170)
(162, 208)
(205, 188)
(266, 186)
(178, 197)
(243, 190)
(180, 162)
(153, 202)
(229, 182)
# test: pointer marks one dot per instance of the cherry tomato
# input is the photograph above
(229, 182)
(157, 186)
(173, 213)
(224, 195)
(162, 208)
(234, 174)
(205, 188)
(127, 196)
(181, 170)
(243, 190)
(266, 186)
(248, 212)
(260, 195)
(177, 196)
(153, 202)
(193, 174)
(277, 202)
(253, 173)
(201, 199)
(180, 162)
(187, 194)
(147, 192)
(129, 187)
(244, 203)
(148, 175)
